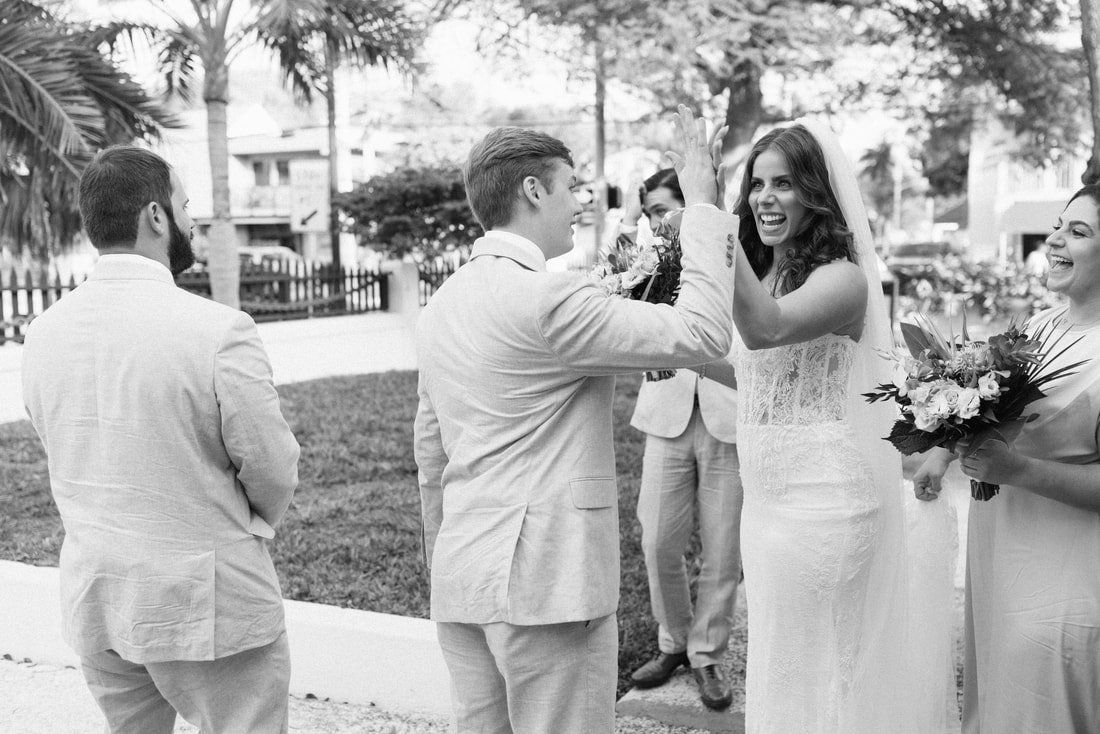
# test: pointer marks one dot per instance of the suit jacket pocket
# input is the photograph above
(593, 493)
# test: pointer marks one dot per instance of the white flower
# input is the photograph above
(640, 269)
(988, 387)
(648, 260)
(920, 394)
(610, 284)
(944, 400)
(925, 420)
(901, 377)
(970, 403)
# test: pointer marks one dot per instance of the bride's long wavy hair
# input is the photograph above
(824, 235)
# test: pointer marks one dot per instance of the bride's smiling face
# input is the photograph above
(773, 199)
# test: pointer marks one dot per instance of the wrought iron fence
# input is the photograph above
(269, 291)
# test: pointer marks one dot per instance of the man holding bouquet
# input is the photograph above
(513, 438)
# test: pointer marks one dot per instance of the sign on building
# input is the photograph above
(309, 196)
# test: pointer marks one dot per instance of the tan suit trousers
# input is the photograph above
(246, 693)
(538, 679)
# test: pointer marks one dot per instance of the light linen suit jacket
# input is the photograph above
(664, 407)
(513, 435)
(169, 460)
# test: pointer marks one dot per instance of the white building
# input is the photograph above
(278, 180)
(1012, 205)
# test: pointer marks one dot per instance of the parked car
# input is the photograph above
(917, 253)
(260, 254)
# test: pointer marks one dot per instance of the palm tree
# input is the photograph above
(215, 31)
(878, 168)
(60, 102)
(358, 33)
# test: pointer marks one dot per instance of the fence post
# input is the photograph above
(404, 288)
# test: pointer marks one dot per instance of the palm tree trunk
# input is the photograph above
(1090, 39)
(223, 263)
(333, 153)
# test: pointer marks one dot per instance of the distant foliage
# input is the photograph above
(997, 290)
(417, 211)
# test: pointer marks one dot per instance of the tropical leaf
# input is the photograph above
(915, 338)
(60, 102)
(909, 440)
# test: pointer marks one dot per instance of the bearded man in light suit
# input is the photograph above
(513, 437)
(170, 463)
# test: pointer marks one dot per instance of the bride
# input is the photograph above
(832, 646)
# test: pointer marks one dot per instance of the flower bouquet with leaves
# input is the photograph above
(950, 389)
(645, 271)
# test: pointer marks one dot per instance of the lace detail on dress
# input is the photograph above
(798, 384)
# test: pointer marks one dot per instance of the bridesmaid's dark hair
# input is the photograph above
(1090, 190)
(823, 237)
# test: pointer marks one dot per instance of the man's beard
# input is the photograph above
(180, 253)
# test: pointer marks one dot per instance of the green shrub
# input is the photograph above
(411, 211)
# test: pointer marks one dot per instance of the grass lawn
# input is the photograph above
(352, 535)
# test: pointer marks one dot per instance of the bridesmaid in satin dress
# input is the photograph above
(1033, 551)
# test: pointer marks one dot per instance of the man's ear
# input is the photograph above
(532, 190)
(154, 216)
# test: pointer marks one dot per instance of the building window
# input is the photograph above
(282, 168)
(262, 173)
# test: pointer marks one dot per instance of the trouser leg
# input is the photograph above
(127, 695)
(245, 693)
(666, 504)
(560, 678)
(478, 695)
(719, 499)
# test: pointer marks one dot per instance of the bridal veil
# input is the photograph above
(904, 682)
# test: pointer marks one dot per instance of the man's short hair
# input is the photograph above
(114, 188)
(498, 164)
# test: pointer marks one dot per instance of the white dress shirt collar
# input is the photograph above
(116, 264)
(510, 245)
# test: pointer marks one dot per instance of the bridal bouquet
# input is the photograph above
(645, 271)
(950, 389)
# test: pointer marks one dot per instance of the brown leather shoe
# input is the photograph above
(659, 669)
(713, 689)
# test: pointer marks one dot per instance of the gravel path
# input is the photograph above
(47, 699)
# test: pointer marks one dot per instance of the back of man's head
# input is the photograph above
(114, 188)
(499, 163)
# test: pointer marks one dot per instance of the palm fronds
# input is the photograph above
(60, 102)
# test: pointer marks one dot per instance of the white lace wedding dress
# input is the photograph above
(808, 535)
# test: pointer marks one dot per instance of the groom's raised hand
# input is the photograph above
(695, 167)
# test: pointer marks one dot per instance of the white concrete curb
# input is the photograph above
(340, 654)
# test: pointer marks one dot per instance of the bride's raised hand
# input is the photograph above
(695, 166)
